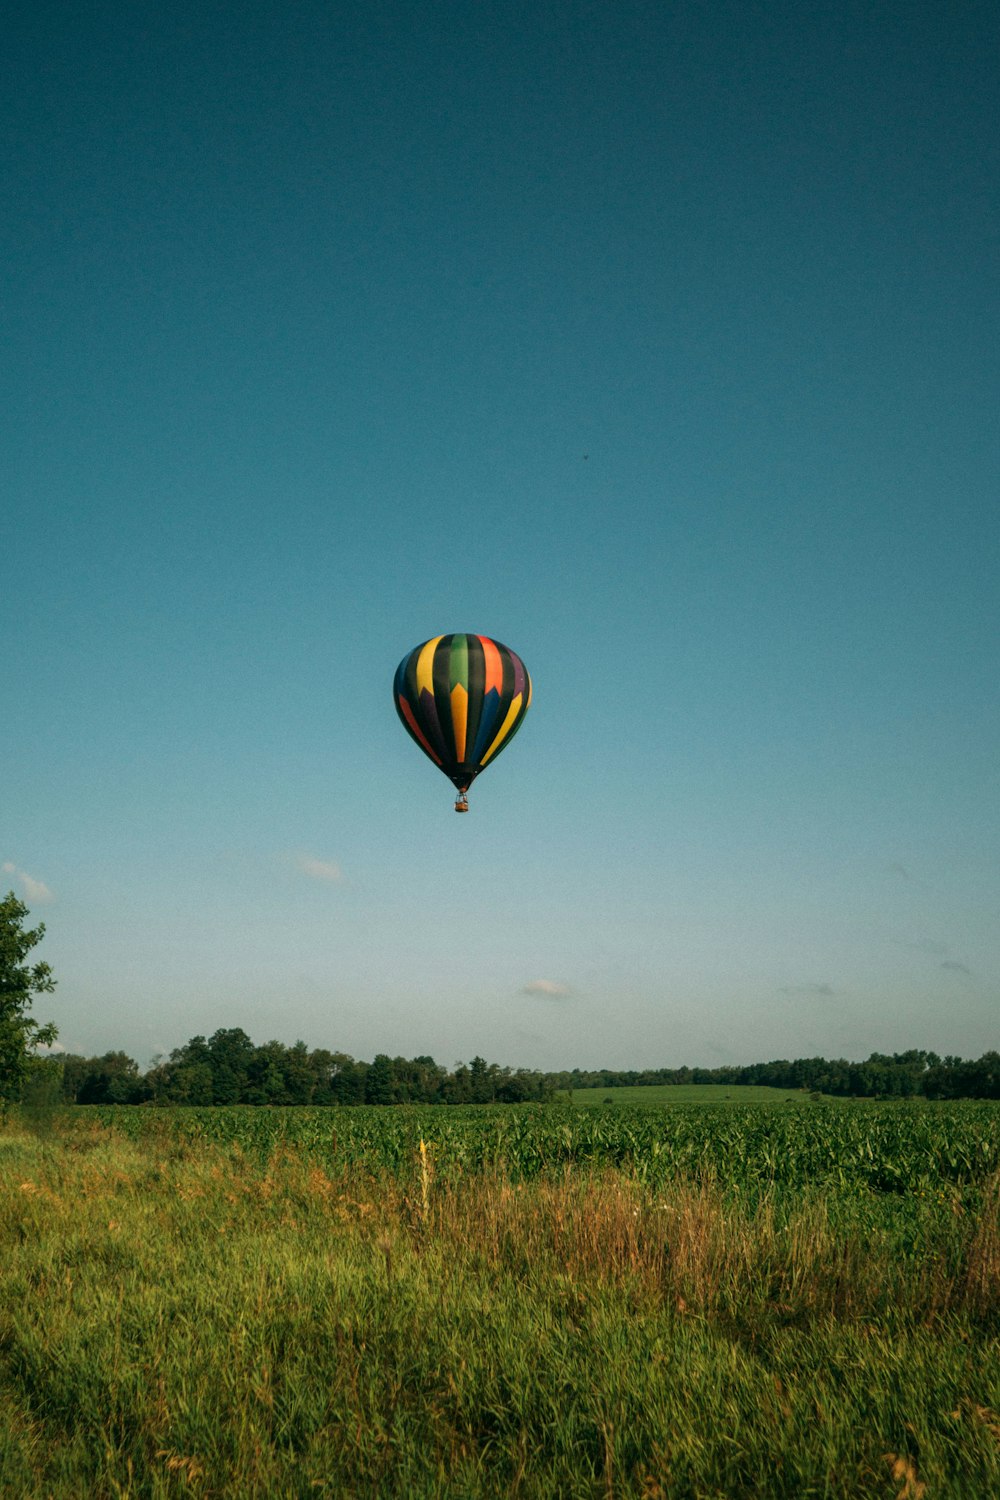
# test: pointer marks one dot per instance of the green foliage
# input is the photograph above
(111, 1079)
(19, 983)
(899, 1075)
(898, 1148)
(267, 1319)
(228, 1068)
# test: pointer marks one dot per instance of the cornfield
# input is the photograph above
(884, 1148)
(685, 1303)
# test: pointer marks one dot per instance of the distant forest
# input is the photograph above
(228, 1068)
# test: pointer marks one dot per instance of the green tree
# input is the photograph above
(457, 1086)
(480, 1081)
(19, 983)
(300, 1079)
(111, 1079)
(230, 1052)
(191, 1084)
(380, 1081)
(266, 1075)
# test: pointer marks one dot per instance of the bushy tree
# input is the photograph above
(19, 983)
(380, 1082)
(111, 1079)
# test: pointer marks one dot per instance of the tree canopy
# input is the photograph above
(20, 982)
(228, 1068)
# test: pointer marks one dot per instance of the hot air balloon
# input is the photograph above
(462, 698)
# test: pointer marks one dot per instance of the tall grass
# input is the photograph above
(192, 1319)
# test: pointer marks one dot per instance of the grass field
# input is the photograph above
(659, 1094)
(193, 1309)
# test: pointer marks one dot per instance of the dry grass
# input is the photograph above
(186, 1320)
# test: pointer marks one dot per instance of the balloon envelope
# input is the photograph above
(462, 699)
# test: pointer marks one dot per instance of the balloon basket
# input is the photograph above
(461, 803)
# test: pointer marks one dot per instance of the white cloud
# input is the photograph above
(319, 869)
(34, 890)
(551, 987)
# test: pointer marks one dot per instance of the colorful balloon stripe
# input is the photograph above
(493, 663)
(488, 721)
(505, 727)
(414, 728)
(461, 698)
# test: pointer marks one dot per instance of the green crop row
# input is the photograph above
(886, 1148)
(258, 1303)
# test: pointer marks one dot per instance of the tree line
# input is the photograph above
(897, 1075)
(227, 1068)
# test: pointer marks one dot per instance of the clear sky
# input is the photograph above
(659, 341)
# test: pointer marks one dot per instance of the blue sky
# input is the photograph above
(657, 341)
